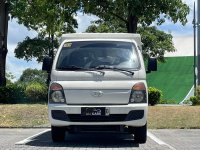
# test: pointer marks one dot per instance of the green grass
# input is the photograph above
(174, 117)
(174, 78)
(23, 115)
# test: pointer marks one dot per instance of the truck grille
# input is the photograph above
(110, 118)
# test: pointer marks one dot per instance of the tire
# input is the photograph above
(57, 134)
(140, 134)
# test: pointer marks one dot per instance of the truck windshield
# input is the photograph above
(91, 54)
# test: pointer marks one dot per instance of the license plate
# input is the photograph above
(94, 111)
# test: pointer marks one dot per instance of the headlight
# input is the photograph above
(138, 93)
(56, 94)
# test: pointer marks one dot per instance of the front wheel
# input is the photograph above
(140, 133)
(57, 134)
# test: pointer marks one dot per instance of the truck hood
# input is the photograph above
(97, 87)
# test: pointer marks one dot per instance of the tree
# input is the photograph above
(33, 75)
(37, 47)
(134, 12)
(106, 27)
(49, 18)
(155, 42)
(3, 40)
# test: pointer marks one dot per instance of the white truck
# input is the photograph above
(98, 83)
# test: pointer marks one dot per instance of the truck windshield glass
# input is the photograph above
(91, 54)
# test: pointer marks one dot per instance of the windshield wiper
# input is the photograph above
(113, 68)
(73, 67)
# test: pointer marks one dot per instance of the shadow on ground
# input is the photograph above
(89, 140)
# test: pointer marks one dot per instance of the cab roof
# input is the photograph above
(110, 36)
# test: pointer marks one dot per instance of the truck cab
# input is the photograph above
(98, 83)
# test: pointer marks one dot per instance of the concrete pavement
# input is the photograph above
(36, 139)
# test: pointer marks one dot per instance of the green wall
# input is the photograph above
(174, 78)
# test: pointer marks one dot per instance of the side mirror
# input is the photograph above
(152, 65)
(47, 64)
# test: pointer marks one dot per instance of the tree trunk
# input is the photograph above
(132, 24)
(3, 53)
(3, 41)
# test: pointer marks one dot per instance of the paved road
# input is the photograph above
(29, 139)
(180, 139)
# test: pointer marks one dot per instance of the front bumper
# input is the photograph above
(127, 115)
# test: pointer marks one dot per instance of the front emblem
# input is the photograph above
(97, 93)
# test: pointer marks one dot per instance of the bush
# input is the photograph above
(154, 95)
(12, 94)
(195, 100)
(36, 92)
(198, 92)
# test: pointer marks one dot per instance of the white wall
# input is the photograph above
(184, 46)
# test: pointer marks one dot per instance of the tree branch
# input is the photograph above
(119, 17)
(116, 15)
